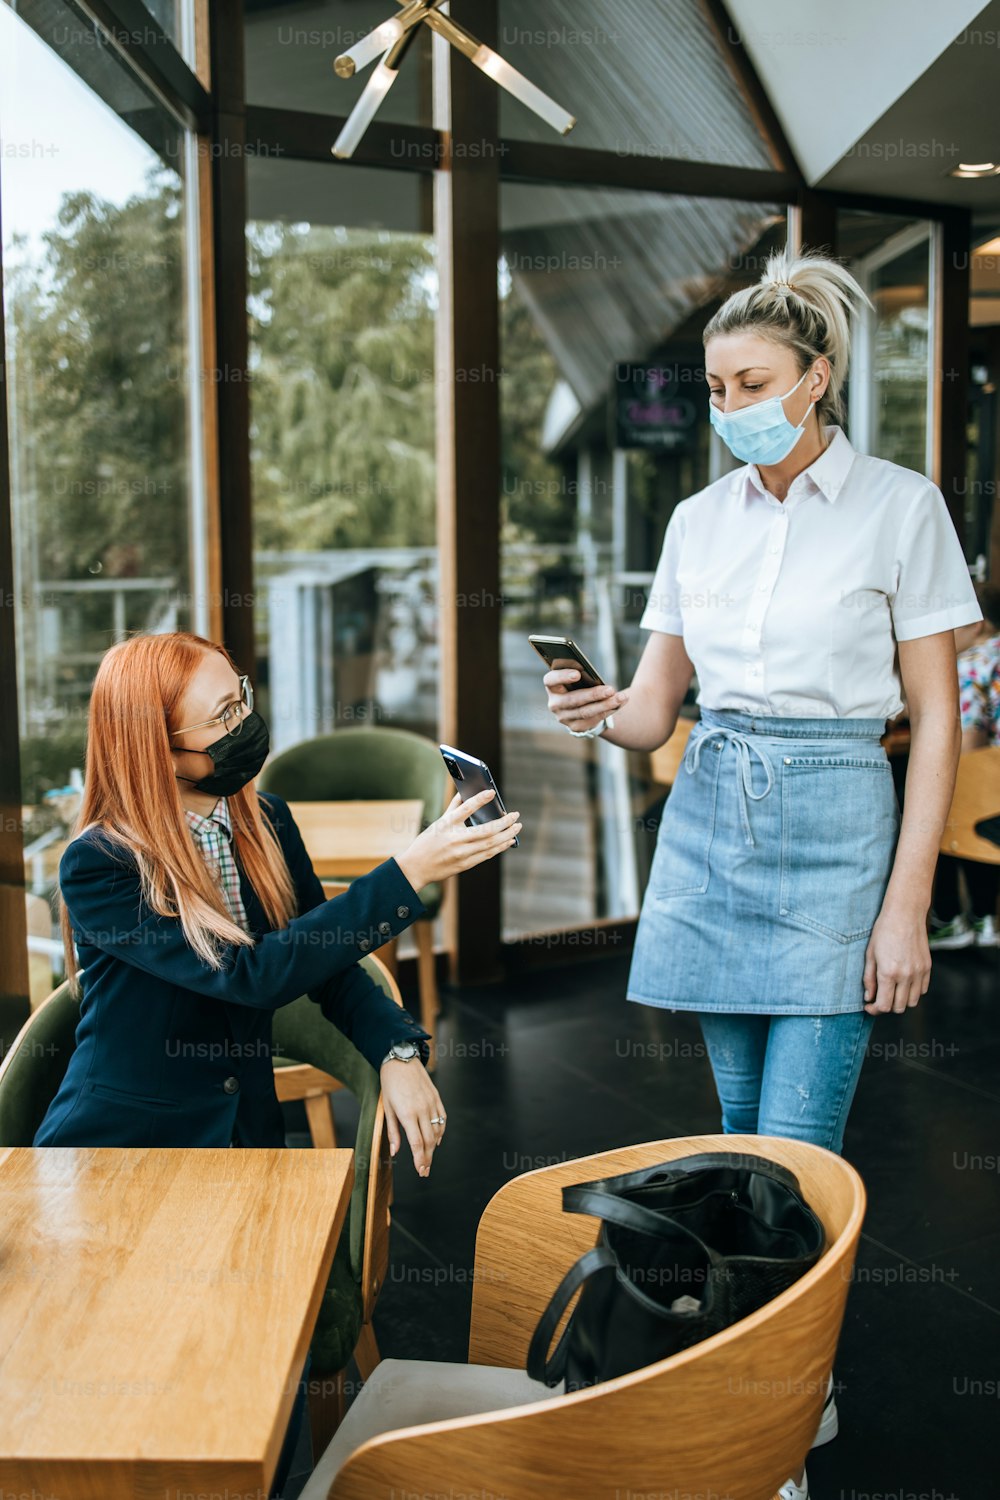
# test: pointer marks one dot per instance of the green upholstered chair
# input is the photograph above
(373, 765)
(361, 1262)
(35, 1064)
(33, 1070)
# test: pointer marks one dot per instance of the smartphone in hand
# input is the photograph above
(472, 776)
(561, 652)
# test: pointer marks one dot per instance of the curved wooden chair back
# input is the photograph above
(732, 1416)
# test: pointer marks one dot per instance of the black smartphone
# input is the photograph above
(472, 776)
(561, 652)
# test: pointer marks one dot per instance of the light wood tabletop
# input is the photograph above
(156, 1308)
(977, 796)
(351, 838)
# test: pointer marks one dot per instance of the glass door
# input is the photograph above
(891, 389)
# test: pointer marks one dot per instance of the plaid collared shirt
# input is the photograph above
(214, 836)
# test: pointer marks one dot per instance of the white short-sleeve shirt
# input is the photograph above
(794, 607)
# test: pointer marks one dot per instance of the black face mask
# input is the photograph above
(237, 759)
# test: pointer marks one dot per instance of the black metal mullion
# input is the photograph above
(143, 45)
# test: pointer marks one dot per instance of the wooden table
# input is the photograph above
(351, 838)
(977, 795)
(156, 1307)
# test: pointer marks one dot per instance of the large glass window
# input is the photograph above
(100, 401)
(603, 298)
(343, 292)
(892, 359)
(342, 300)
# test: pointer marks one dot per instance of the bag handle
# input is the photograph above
(539, 1366)
(582, 1198)
(686, 1166)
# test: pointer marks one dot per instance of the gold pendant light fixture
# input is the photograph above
(390, 41)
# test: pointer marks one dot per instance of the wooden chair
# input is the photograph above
(296, 1082)
(977, 795)
(664, 763)
(733, 1416)
(375, 763)
(324, 1061)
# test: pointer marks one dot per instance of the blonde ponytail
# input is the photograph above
(804, 302)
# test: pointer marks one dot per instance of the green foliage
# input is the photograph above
(47, 758)
(99, 384)
(343, 390)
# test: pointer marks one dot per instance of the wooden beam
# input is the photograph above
(304, 135)
(812, 222)
(579, 166)
(211, 538)
(952, 258)
(231, 373)
(467, 386)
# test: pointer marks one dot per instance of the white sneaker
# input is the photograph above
(986, 932)
(829, 1422)
(958, 933)
(792, 1491)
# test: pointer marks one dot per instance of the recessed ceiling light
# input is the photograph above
(976, 169)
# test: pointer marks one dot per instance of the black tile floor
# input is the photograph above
(558, 1065)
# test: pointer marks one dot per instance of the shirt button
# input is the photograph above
(384, 927)
(232, 1086)
(402, 911)
(763, 588)
(788, 760)
(364, 944)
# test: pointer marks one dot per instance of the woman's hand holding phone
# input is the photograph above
(447, 847)
(580, 708)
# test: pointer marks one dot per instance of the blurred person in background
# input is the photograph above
(954, 922)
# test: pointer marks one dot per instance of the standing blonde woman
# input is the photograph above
(812, 590)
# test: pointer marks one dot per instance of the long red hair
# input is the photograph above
(131, 792)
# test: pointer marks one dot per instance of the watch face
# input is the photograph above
(404, 1050)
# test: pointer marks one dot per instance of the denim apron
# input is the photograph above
(771, 864)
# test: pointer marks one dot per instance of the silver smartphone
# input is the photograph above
(472, 776)
(561, 651)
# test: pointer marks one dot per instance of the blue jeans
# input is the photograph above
(787, 1075)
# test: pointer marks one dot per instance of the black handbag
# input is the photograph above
(684, 1250)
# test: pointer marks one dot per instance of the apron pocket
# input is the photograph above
(839, 824)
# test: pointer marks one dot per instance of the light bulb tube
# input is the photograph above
(530, 95)
(378, 42)
(494, 66)
(364, 111)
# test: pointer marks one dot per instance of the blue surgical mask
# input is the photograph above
(760, 433)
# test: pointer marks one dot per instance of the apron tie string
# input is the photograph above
(744, 776)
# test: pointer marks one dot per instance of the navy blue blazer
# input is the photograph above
(170, 1052)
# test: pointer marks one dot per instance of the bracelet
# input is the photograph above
(596, 732)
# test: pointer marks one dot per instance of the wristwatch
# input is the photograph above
(401, 1052)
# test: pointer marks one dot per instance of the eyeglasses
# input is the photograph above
(232, 715)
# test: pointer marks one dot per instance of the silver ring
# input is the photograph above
(437, 1119)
